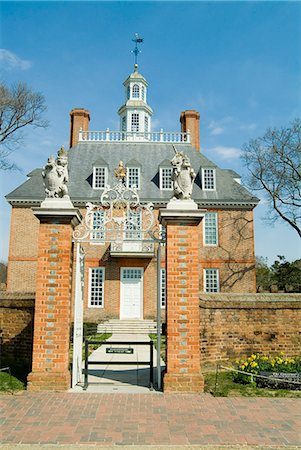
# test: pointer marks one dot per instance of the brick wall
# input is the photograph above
(16, 329)
(234, 257)
(23, 248)
(235, 325)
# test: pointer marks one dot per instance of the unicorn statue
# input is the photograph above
(183, 176)
(55, 175)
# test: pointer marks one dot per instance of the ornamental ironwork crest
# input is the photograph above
(120, 216)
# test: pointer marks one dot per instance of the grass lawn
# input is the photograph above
(226, 387)
(10, 383)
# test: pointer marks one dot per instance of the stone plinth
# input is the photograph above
(183, 373)
(50, 362)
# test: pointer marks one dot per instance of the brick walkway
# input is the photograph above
(149, 419)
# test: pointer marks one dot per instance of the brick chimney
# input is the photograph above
(80, 118)
(190, 120)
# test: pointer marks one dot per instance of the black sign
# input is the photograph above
(122, 350)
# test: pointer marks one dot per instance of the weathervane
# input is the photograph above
(136, 51)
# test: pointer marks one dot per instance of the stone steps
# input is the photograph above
(127, 326)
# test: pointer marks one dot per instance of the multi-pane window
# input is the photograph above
(133, 226)
(146, 124)
(128, 94)
(135, 122)
(210, 229)
(143, 93)
(133, 177)
(98, 232)
(123, 124)
(165, 178)
(163, 288)
(211, 280)
(99, 177)
(96, 287)
(208, 181)
(135, 93)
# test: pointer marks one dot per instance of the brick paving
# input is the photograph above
(149, 419)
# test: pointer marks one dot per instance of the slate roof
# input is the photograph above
(84, 155)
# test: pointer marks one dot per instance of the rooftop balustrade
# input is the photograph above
(134, 136)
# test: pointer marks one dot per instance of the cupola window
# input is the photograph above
(136, 92)
(143, 93)
(146, 124)
(123, 124)
(128, 92)
(135, 122)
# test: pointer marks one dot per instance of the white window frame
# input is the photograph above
(95, 177)
(161, 179)
(123, 123)
(96, 230)
(135, 124)
(211, 289)
(101, 290)
(205, 180)
(143, 93)
(136, 92)
(128, 177)
(146, 124)
(163, 288)
(133, 230)
(207, 230)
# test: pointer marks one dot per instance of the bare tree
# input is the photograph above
(274, 165)
(19, 107)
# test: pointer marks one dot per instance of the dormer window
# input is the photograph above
(133, 177)
(165, 178)
(136, 91)
(99, 177)
(135, 122)
(208, 179)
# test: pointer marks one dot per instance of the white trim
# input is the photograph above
(94, 177)
(161, 179)
(122, 269)
(102, 269)
(205, 278)
(203, 179)
(139, 177)
(94, 240)
(204, 229)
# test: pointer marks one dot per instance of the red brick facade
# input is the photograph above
(233, 256)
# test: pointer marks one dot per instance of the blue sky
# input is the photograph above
(237, 63)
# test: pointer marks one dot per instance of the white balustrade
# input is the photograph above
(119, 136)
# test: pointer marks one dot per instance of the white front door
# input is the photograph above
(131, 294)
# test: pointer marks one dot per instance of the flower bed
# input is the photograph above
(281, 372)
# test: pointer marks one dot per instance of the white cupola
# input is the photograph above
(135, 114)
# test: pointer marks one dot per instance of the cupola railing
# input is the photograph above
(130, 136)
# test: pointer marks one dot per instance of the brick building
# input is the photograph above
(122, 284)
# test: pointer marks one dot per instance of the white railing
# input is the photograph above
(119, 136)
